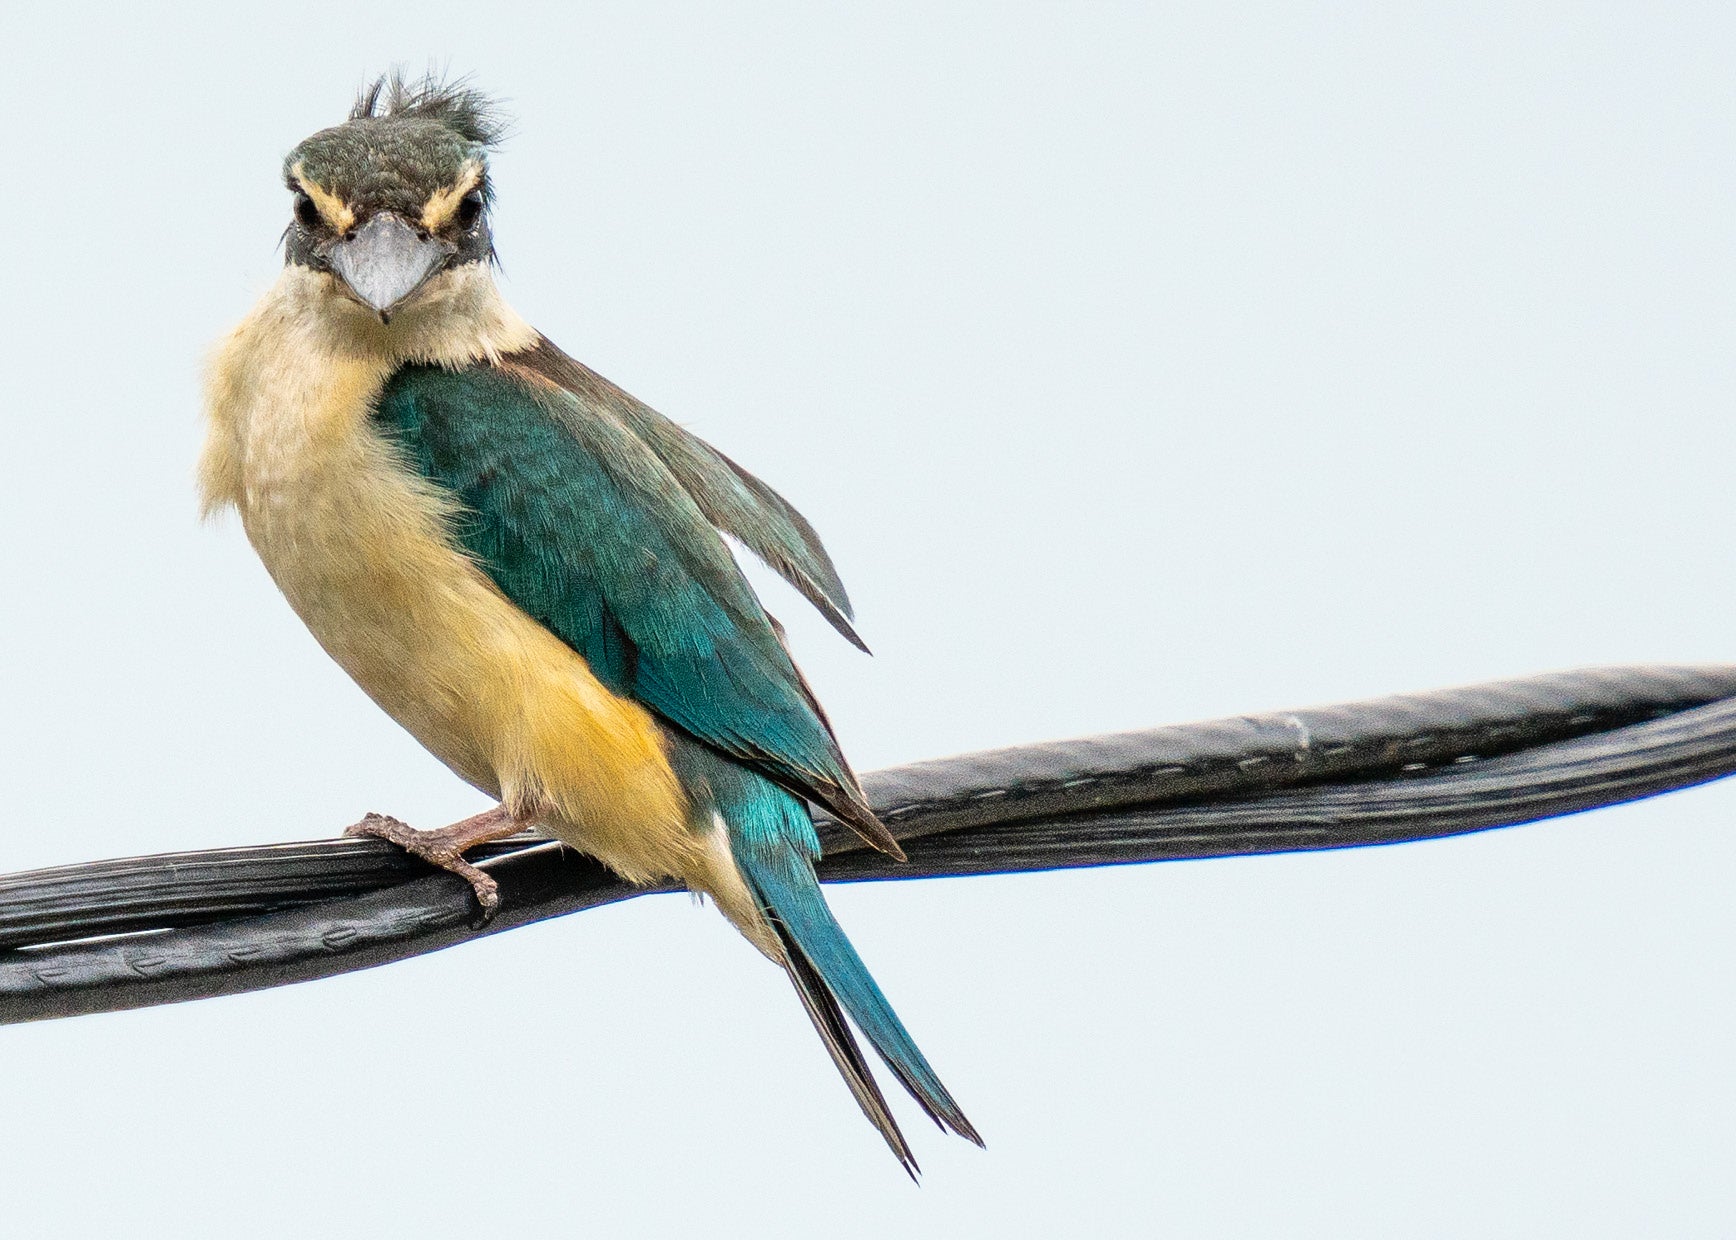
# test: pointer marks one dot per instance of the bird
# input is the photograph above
(526, 567)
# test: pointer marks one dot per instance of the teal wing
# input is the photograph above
(587, 529)
(732, 499)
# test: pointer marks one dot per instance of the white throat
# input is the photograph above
(457, 319)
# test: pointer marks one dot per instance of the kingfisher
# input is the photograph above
(526, 567)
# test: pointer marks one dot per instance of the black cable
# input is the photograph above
(192, 925)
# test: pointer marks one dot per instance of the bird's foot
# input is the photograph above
(445, 848)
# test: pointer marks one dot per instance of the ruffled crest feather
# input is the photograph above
(456, 104)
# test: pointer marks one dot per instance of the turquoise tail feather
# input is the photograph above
(790, 894)
(772, 837)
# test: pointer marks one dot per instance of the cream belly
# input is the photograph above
(359, 546)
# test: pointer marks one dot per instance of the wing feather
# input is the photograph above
(587, 529)
(732, 499)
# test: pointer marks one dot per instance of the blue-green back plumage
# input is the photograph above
(579, 522)
(599, 521)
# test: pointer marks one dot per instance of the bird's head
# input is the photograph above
(395, 198)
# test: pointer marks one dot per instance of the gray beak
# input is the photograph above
(386, 261)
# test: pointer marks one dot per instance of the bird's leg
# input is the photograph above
(445, 847)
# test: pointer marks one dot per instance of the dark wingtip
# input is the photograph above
(848, 807)
(834, 615)
(815, 568)
(873, 832)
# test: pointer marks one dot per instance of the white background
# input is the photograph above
(1139, 364)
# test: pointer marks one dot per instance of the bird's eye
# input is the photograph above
(469, 210)
(306, 214)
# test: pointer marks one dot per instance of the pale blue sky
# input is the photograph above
(1139, 364)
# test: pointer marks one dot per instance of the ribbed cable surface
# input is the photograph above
(1418, 766)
